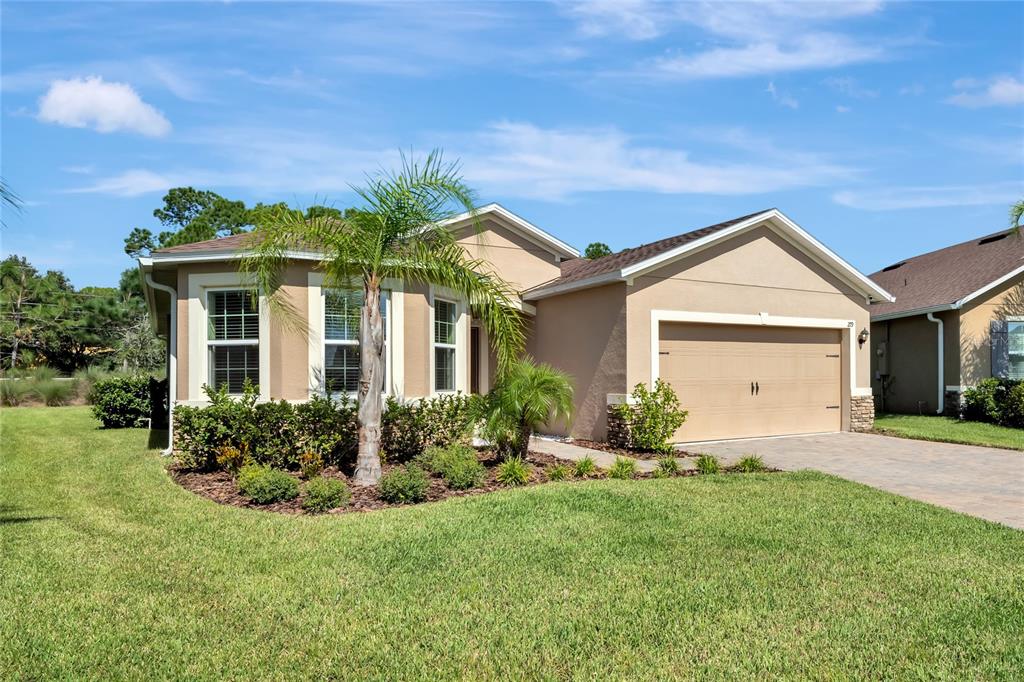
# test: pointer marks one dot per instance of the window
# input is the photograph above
(1015, 338)
(341, 339)
(445, 315)
(233, 339)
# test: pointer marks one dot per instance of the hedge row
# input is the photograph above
(276, 434)
(998, 401)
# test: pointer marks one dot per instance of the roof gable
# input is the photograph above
(630, 263)
(950, 277)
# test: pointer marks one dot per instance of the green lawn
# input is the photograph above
(949, 430)
(108, 570)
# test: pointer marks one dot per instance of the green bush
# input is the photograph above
(981, 402)
(457, 464)
(409, 428)
(14, 392)
(513, 471)
(264, 485)
(585, 467)
(558, 472)
(652, 418)
(311, 464)
(86, 379)
(121, 402)
(708, 464)
(667, 467)
(624, 467)
(1012, 413)
(54, 392)
(750, 464)
(404, 484)
(324, 494)
(230, 458)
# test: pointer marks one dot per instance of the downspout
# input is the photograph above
(942, 364)
(172, 369)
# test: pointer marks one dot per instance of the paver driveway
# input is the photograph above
(984, 482)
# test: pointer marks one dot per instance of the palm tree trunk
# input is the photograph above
(371, 384)
(523, 446)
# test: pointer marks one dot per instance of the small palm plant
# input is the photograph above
(398, 233)
(526, 396)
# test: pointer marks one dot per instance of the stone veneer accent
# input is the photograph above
(618, 429)
(953, 404)
(862, 413)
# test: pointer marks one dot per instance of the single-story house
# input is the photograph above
(958, 318)
(759, 327)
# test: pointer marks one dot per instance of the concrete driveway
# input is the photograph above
(983, 482)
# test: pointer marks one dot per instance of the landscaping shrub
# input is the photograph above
(409, 428)
(585, 467)
(54, 392)
(624, 467)
(513, 471)
(750, 464)
(1013, 407)
(652, 418)
(86, 379)
(310, 464)
(264, 485)
(323, 494)
(14, 392)
(558, 472)
(404, 484)
(457, 464)
(121, 402)
(667, 466)
(230, 458)
(329, 427)
(981, 402)
(708, 464)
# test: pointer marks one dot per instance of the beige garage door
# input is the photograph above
(746, 381)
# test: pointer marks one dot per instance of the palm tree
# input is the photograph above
(397, 233)
(526, 396)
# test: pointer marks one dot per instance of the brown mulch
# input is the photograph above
(220, 486)
(625, 452)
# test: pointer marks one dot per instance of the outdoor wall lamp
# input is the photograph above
(863, 336)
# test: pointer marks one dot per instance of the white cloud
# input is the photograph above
(133, 183)
(783, 98)
(525, 160)
(87, 169)
(810, 51)
(634, 19)
(106, 107)
(842, 109)
(996, 91)
(505, 158)
(850, 87)
(896, 198)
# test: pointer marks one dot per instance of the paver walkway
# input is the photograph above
(983, 482)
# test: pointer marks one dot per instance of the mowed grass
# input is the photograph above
(108, 570)
(949, 430)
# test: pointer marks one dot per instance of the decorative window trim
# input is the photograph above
(461, 340)
(394, 377)
(198, 321)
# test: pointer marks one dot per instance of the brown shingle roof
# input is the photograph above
(229, 244)
(581, 268)
(945, 276)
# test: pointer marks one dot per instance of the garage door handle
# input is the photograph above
(751, 388)
(757, 388)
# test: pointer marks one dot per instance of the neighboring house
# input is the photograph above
(958, 318)
(758, 327)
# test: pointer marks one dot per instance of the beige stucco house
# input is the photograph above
(958, 318)
(759, 327)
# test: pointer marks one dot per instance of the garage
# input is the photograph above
(741, 381)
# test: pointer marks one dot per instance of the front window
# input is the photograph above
(1015, 336)
(341, 339)
(445, 314)
(233, 339)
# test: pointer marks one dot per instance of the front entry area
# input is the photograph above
(744, 381)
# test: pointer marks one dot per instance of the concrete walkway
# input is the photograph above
(983, 482)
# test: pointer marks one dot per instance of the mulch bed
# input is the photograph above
(220, 486)
(625, 452)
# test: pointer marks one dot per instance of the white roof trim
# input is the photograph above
(545, 239)
(217, 256)
(803, 240)
(955, 305)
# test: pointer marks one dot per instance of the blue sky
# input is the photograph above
(884, 129)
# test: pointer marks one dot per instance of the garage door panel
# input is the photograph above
(795, 372)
